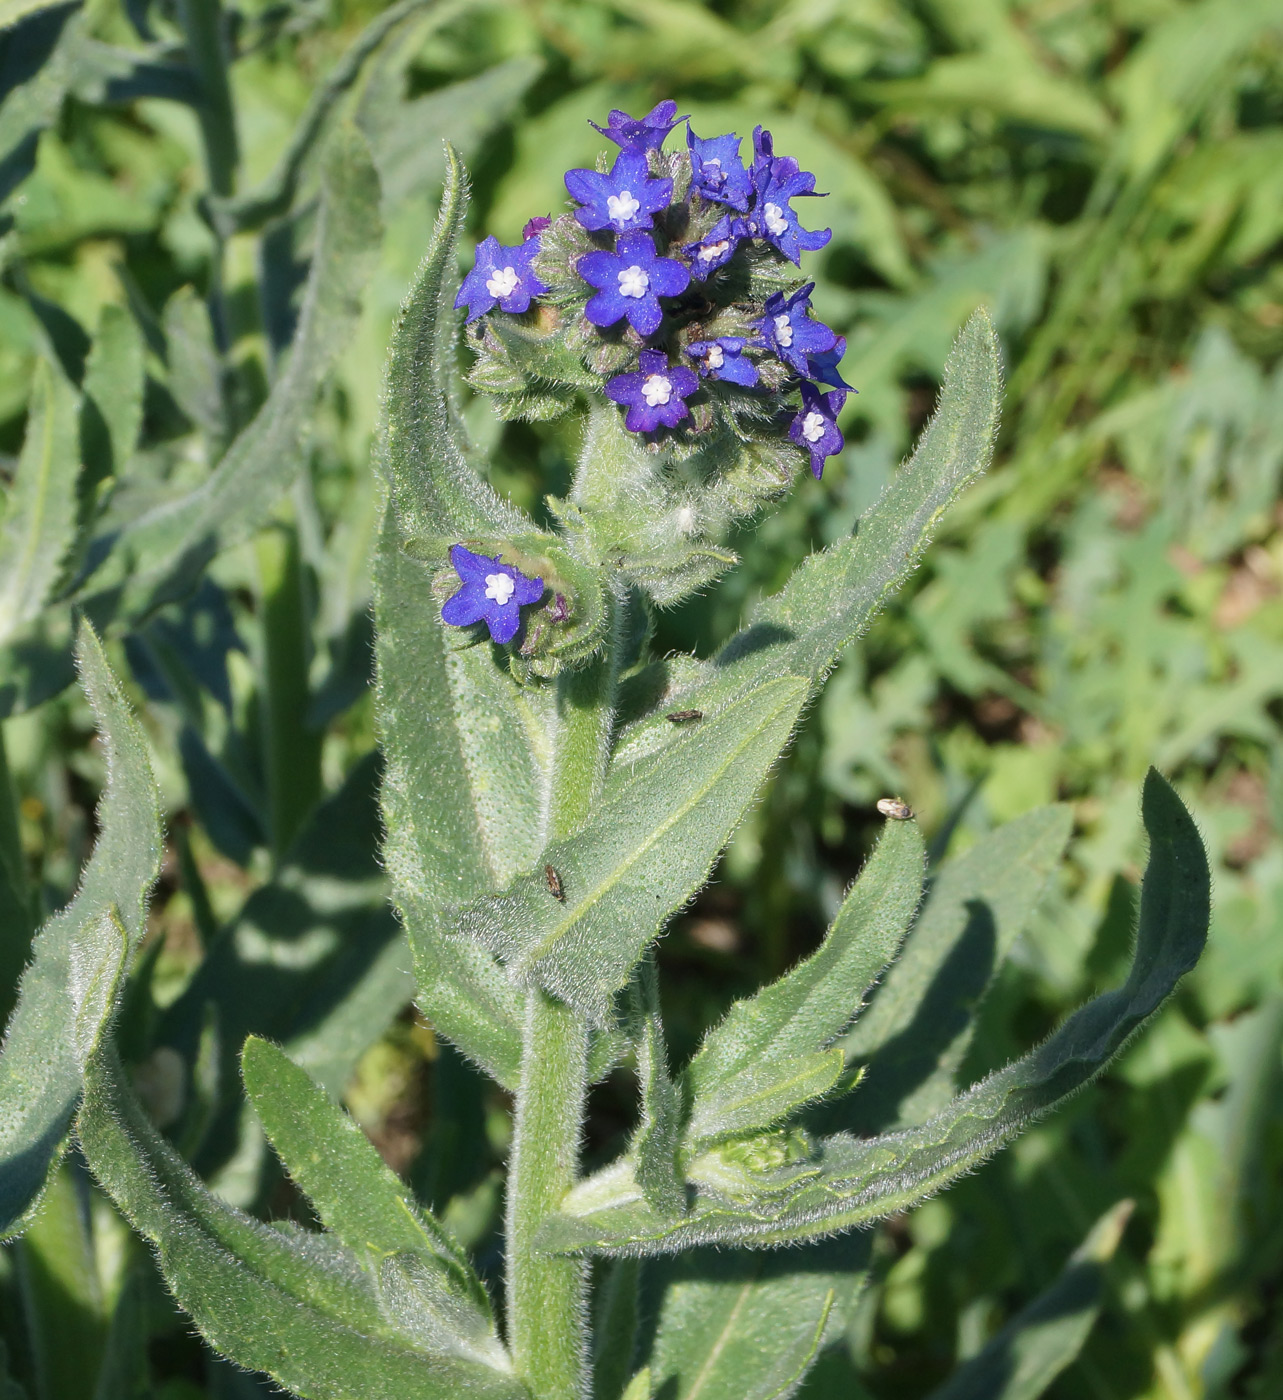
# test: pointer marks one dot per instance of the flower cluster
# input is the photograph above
(675, 266)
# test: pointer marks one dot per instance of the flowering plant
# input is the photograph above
(553, 793)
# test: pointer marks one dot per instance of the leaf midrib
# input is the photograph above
(796, 686)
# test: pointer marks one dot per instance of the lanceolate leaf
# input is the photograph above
(646, 849)
(736, 1326)
(847, 1181)
(771, 1038)
(831, 599)
(654, 1145)
(40, 518)
(914, 1035)
(358, 1199)
(434, 491)
(65, 994)
(160, 555)
(112, 414)
(293, 1304)
(1042, 1339)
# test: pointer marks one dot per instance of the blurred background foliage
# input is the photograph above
(1105, 175)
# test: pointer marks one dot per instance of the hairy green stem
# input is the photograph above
(546, 1305)
(547, 1314)
(16, 922)
(585, 717)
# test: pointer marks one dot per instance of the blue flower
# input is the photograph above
(724, 358)
(717, 173)
(627, 198)
(630, 282)
(492, 593)
(787, 328)
(717, 247)
(824, 366)
(655, 393)
(501, 276)
(777, 180)
(646, 133)
(815, 426)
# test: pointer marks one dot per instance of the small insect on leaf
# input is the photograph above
(684, 716)
(554, 884)
(895, 809)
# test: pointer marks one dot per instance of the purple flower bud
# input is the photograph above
(536, 225)
(630, 282)
(646, 133)
(717, 247)
(724, 358)
(626, 198)
(501, 276)
(492, 593)
(655, 394)
(717, 172)
(815, 426)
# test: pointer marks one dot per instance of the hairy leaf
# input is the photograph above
(356, 1196)
(914, 1035)
(40, 517)
(161, 554)
(772, 1047)
(654, 1144)
(647, 847)
(195, 369)
(777, 1190)
(737, 1326)
(65, 994)
(292, 1304)
(1045, 1337)
(112, 412)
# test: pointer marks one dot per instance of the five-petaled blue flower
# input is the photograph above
(626, 198)
(646, 133)
(655, 394)
(823, 368)
(778, 179)
(787, 328)
(492, 593)
(815, 427)
(717, 172)
(630, 282)
(717, 247)
(724, 358)
(501, 276)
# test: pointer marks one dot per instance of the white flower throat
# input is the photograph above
(499, 588)
(784, 331)
(713, 250)
(633, 282)
(775, 220)
(622, 206)
(813, 426)
(502, 282)
(656, 390)
(716, 357)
